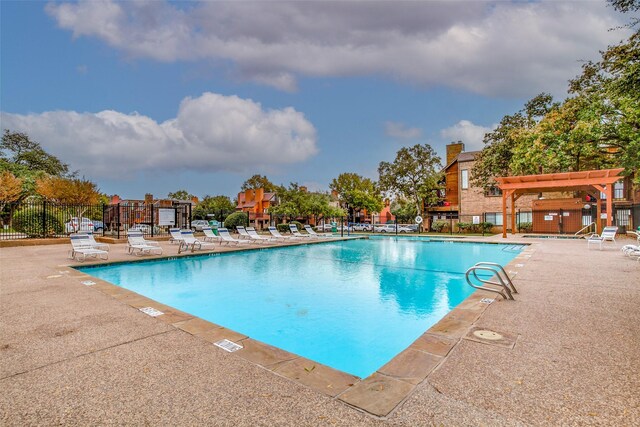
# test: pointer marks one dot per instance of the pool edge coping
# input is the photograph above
(378, 395)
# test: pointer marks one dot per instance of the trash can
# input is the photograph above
(214, 226)
(334, 227)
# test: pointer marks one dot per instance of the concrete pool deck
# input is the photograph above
(71, 354)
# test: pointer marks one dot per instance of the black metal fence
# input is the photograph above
(40, 219)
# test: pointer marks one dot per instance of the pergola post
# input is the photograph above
(598, 212)
(504, 214)
(513, 213)
(609, 204)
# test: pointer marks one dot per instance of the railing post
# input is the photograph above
(118, 221)
(104, 217)
(153, 223)
(44, 218)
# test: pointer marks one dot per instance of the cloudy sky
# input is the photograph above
(156, 96)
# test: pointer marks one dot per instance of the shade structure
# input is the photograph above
(600, 180)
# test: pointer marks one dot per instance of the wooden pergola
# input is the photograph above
(600, 180)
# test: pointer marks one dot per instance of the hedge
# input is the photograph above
(236, 219)
(29, 221)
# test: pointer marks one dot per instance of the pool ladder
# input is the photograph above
(504, 282)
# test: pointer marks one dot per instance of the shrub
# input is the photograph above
(236, 219)
(439, 226)
(283, 228)
(525, 226)
(464, 227)
(486, 227)
(29, 221)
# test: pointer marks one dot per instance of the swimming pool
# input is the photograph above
(352, 305)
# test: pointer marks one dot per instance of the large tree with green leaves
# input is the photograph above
(415, 175)
(214, 205)
(356, 192)
(596, 127)
(180, 195)
(296, 202)
(259, 181)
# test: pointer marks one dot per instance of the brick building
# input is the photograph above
(256, 203)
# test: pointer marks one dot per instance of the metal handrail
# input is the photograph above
(507, 279)
(505, 283)
(586, 226)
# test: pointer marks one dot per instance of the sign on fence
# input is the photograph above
(166, 217)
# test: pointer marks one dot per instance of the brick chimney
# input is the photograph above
(148, 198)
(453, 150)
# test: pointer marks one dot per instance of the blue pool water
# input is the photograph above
(352, 305)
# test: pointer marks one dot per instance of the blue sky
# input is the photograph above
(159, 96)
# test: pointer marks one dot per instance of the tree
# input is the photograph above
(597, 127)
(295, 202)
(356, 192)
(213, 205)
(259, 181)
(402, 208)
(513, 131)
(414, 175)
(180, 195)
(22, 154)
(10, 191)
(79, 194)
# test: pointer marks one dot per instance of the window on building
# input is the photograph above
(525, 217)
(618, 190)
(622, 217)
(493, 191)
(603, 196)
(464, 178)
(494, 218)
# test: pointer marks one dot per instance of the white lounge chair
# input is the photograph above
(243, 232)
(630, 249)
(93, 243)
(190, 241)
(176, 236)
(608, 234)
(226, 237)
(137, 242)
(275, 233)
(253, 234)
(296, 233)
(209, 235)
(81, 248)
(312, 232)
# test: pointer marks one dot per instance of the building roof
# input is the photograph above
(268, 196)
(466, 156)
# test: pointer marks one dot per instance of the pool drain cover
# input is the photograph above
(88, 282)
(227, 345)
(151, 311)
(487, 335)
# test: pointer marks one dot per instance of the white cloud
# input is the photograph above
(210, 133)
(400, 130)
(467, 132)
(493, 48)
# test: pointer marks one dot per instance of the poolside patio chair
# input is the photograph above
(137, 242)
(312, 232)
(176, 236)
(253, 234)
(608, 234)
(243, 232)
(190, 241)
(209, 235)
(296, 233)
(226, 237)
(81, 248)
(275, 233)
(93, 243)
